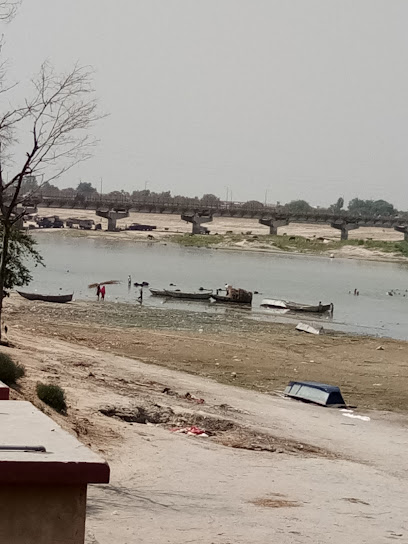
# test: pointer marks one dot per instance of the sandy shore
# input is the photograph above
(271, 467)
(169, 226)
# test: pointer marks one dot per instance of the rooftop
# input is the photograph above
(26, 433)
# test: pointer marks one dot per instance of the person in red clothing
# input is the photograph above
(103, 291)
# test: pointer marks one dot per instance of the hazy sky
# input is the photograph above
(302, 98)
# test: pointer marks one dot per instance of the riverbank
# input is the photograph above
(373, 250)
(245, 234)
(228, 348)
(132, 375)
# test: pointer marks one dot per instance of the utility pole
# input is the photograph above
(101, 187)
(266, 196)
(226, 198)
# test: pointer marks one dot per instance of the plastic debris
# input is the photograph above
(190, 397)
(191, 431)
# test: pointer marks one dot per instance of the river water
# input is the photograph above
(73, 263)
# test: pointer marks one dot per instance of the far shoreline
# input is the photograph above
(348, 252)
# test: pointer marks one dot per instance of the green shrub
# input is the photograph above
(10, 371)
(53, 395)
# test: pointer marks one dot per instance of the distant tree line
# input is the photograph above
(356, 206)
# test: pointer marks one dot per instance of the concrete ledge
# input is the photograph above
(65, 461)
(4, 391)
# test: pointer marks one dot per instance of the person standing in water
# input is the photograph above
(103, 291)
(98, 291)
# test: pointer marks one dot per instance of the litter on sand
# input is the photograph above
(308, 328)
(190, 397)
(191, 431)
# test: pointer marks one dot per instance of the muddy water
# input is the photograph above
(73, 263)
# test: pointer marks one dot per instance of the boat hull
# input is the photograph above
(229, 300)
(58, 299)
(323, 308)
(205, 295)
(295, 307)
(158, 292)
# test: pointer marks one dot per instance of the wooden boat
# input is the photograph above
(234, 296)
(296, 307)
(60, 299)
(158, 292)
(229, 300)
(205, 294)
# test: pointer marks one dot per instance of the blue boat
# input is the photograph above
(318, 393)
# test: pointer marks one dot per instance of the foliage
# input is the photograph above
(29, 185)
(21, 249)
(85, 188)
(197, 240)
(338, 206)
(253, 204)
(298, 206)
(287, 243)
(49, 189)
(43, 133)
(53, 396)
(210, 199)
(371, 207)
(10, 372)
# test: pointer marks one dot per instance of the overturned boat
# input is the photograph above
(296, 307)
(317, 393)
(59, 299)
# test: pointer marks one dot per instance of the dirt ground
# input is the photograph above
(232, 350)
(269, 469)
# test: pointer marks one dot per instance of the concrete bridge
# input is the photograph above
(198, 213)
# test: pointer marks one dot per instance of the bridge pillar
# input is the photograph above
(197, 221)
(344, 228)
(112, 216)
(403, 229)
(273, 224)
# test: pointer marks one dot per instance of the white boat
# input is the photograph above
(270, 303)
(303, 327)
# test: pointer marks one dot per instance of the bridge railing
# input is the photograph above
(258, 209)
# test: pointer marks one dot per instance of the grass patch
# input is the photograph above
(381, 245)
(10, 372)
(203, 240)
(298, 244)
(53, 396)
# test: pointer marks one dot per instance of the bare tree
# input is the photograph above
(44, 136)
(8, 9)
